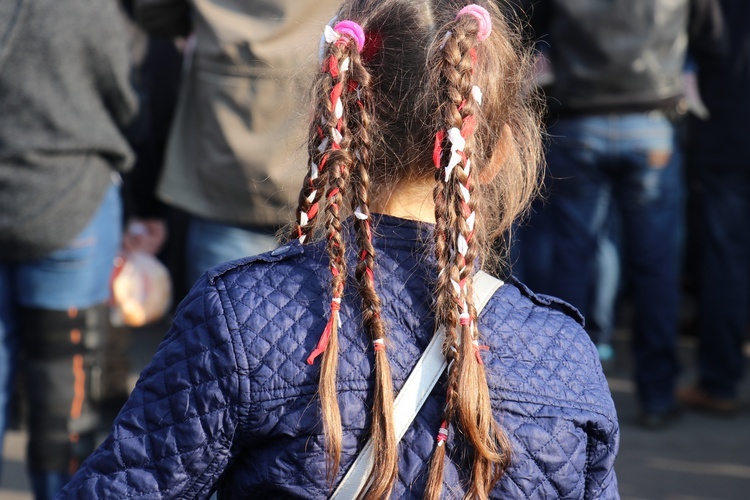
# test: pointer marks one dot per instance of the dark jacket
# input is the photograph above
(619, 55)
(64, 99)
(724, 83)
(230, 403)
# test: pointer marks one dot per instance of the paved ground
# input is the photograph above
(700, 458)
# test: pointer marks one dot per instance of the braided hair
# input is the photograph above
(408, 91)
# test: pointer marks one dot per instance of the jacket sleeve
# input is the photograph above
(169, 18)
(173, 437)
(708, 36)
(601, 450)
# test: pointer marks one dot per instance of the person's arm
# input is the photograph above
(173, 437)
(169, 18)
(707, 33)
(603, 443)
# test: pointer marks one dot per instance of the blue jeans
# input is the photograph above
(724, 292)
(532, 253)
(606, 280)
(210, 243)
(531, 249)
(631, 160)
(76, 276)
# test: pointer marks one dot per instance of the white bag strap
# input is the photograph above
(413, 394)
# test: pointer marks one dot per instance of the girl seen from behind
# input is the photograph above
(278, 368)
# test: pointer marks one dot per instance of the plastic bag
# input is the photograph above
(141, 290)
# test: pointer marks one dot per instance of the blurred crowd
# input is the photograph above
(175, 129)
(644, 191)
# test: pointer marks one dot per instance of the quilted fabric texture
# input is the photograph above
(229, 403)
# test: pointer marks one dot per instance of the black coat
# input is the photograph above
(619, 55)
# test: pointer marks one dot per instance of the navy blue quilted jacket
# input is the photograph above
(229, 403)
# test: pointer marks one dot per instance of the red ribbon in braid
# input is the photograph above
(325, 337)
(344, 31)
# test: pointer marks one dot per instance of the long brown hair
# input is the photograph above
(384, 114)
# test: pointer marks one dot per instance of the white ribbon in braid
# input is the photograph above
(343, 32)
(458, 144)
(332, 35)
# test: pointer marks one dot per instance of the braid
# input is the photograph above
(457, 248)
(448, 294)
(385, 459)
(381, 110)
(335, 248)
(331, 162)
(319, 142)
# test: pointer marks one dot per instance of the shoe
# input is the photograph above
(697, 398)
(606, 353)
(606, 357)
(654, 421)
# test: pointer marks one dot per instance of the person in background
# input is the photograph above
(157, 63)
(532, 250)
(423, 147)
(613, 105)
(155, 75)
(65, 98)
(718, 155)
(237, 135)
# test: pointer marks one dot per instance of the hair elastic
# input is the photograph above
(353, 31)
(477, 348)
(483, 19)
(442, 436)
(378, 345)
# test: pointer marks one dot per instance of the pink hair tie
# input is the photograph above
(353, 31)
(482, 17)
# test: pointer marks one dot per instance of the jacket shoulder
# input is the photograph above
(288, 251)
(548, 301)
(543, 354)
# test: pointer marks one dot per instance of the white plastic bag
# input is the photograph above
(141, 290)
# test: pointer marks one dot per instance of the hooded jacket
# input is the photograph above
(229, 402)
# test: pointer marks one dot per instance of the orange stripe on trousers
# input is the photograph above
(79, 388)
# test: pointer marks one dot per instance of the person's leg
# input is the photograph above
(62, 323)
(606, 276)
(649, 191)
(723, 294)
(532, 250)
(579, 200)
(210, 243)
(8, 349)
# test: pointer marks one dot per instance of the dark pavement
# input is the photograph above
(699, 458)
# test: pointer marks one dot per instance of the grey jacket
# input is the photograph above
(64, 98)
(237, 148)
